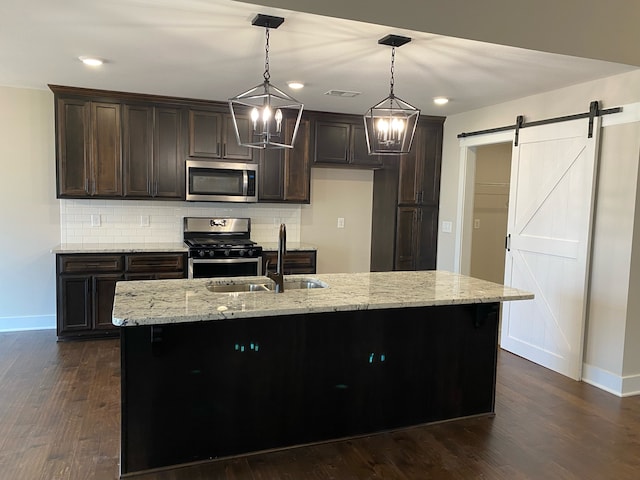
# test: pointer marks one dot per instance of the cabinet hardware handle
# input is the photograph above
(507, 242)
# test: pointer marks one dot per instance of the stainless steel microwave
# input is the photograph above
(221, 181)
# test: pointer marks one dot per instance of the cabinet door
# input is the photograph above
(431, 143)
(168, 156)
(297, 173)
(231, 149)
(74, 304)
(106, 158)
(73, 153)
(332, 143)
(104, 289)
(359, 151)
(285, 173)
(427, 238)
(271, 178)
(410, 181)
(406, 238)
(138, 151)
(205, 134)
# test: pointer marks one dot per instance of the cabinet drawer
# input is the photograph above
(294, 262)
(155, 263)
(89, 263)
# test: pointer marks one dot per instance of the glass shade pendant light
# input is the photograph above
(391, 124)
(266, 106)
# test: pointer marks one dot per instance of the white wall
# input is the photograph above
(339, 193)
(614, 240)
(29, 212)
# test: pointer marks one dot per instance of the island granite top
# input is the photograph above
(157, 302)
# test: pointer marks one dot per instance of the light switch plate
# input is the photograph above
(447, 227)
(144, 220)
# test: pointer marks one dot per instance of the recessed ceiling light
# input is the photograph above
(440, 100)
(295, 85)
(91, 61)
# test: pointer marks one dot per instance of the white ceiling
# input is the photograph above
(208, 49)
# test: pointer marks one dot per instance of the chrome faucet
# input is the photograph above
(278, 276)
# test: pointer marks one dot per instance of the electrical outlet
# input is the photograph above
(95, 220)
(340, 222)
(476, 223)
(447, 227)
(144, 220)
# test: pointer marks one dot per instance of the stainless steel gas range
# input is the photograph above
(221, 247)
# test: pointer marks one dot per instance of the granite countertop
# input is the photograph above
(291, 246)
(175, 301)
(119, 247)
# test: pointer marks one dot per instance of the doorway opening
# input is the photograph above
(490, 211)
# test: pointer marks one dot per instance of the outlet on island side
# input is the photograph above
(340, 222)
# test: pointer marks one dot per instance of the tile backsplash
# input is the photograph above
(140, 221)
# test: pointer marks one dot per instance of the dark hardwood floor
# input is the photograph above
(59, 419)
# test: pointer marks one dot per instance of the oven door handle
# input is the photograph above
(226, 260)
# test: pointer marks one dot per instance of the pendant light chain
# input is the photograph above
(393, 59)
(266, 75)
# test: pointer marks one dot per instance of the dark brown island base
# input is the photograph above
(222, 374)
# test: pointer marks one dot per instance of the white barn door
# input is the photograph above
(553, 176)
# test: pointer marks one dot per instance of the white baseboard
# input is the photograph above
(620, 386)
(35, 322)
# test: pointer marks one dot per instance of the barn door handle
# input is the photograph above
(507, 242)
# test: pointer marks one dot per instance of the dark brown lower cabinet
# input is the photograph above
(87, 282)
(416, 238)
(295, 262)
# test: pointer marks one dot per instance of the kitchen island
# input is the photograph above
(219, 367)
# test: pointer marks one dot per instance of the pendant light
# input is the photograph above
(390, 124)
(265, 106)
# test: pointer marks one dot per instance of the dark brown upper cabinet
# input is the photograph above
(420, 169)
(89, 148)
(340, 140)
(285, 173)
(212, 135)
(153, 156)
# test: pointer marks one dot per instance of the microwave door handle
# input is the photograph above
(245, 182)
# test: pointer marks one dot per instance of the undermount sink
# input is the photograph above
(289, 284)
(238, 287)
(303, 284)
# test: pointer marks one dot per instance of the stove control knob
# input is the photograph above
(201, 253)
(241, 253)
(250, 252)
(227, 252)
(211, 253)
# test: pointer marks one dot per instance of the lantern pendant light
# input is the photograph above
(391, 124)
(265, 107)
